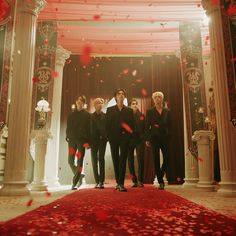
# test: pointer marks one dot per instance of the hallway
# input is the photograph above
(10, 207)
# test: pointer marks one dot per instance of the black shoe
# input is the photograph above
(135, 185)
(101, 185)
(80, 180)
(73, 187)
(117, 187)
(122, 188)
(162, 186)
(96, 186)
(140, 184)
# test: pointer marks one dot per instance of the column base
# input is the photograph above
(38, 186)
(53, 183)
(207, 186)
(227, 189)
(16, 188)
(190, 183)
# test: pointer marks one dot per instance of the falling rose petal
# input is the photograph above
(125, 71)
(86, 145)
(215, 2)
(205, 63)
(231, 11)
(141, 62)
(126, 127)
(198, 5)
(35, 79)
(54, 74)
(139, 80)
(78, 155)
(141, 118)
(233, 59)
(45, 41)
(131, 176)
(207, 37)
(97, 17)
(178, 179)
(101, 215)
(156, 125)
(71, 151)
(48, 194)
(29, 203)
(144, 92)
(85, 58)
(200, 159)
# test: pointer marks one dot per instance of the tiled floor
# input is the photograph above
(11, 207)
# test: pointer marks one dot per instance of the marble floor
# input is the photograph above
(10, 207)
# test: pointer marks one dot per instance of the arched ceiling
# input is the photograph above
(124, 27)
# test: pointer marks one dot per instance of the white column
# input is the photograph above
(205, 144)
(21, 96)
(3, 146)
(226, 133)
(40, 138)
(52, 155)
(191, 165)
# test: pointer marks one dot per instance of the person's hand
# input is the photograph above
(148, 144)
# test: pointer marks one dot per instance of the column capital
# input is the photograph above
(209, 7)
(33, 6)
(61, 55)
(199, 134)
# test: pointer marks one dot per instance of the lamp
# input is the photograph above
(42, 108)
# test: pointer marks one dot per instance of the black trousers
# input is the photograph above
(160, 143)
(139, 147)
(119, 153)
(77, 146)
(98, 149)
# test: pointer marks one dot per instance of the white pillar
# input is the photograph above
(205, 144)
(191, 165)
(40, 138)
(226, 133)
(21, 96)
(53, 144)
(3, 146)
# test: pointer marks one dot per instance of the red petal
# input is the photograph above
(29, 203)
(126, 127)
(71, 151)
(78, 155)
(144, 92)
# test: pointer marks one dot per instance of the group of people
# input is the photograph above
(126, 129)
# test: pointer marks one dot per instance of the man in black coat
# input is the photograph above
(119, 128)
(98, 142)
(158, 134)
(138, 144)
(77, 136)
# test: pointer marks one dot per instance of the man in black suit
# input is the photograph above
(138, 144)
(98, 142)
(119, 127)
(77, 136)
(158, 134)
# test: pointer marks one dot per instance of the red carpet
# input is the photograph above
(141, 211)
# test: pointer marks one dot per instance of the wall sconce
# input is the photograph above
(42, 108)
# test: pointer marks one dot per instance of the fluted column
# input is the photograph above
(40, 138)
(225, 131)
(21, 95)
(205, 144)
(191, 165)
(53, 144)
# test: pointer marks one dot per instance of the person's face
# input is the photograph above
(134, 106)
(120, 97)
(158, 99)
(79, 103)
(98, 106)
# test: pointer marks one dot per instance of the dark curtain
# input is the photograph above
(140, 76)
(167, 78)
